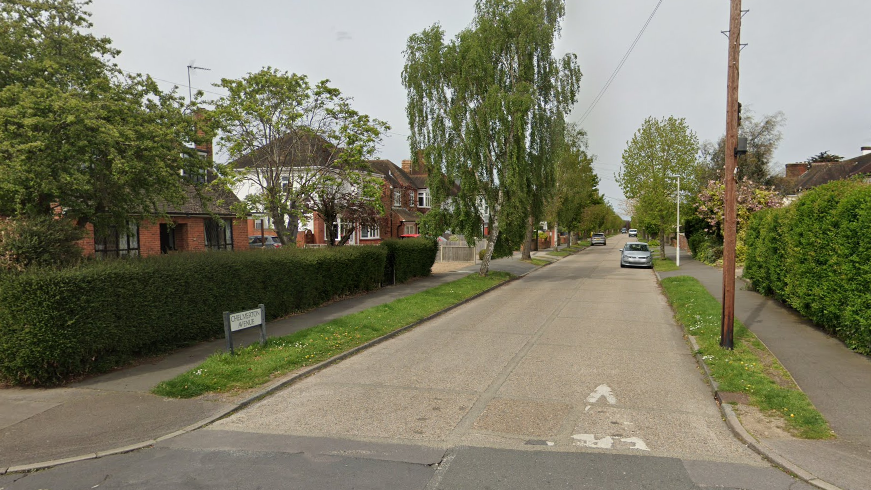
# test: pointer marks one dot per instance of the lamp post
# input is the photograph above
(677, 226)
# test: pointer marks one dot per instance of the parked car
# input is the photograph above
(267, 241)
(597, 239)
(622, 230)
(636, 254)
(633, 232)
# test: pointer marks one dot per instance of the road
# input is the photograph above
(574, 376)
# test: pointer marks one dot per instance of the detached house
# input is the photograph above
(202, 222)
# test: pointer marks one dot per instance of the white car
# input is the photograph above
(633, 232)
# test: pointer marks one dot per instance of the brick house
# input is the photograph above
(803, 176)
(203, 222)
(405, 197)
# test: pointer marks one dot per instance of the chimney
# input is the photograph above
(406, 165)
(866, 150)
(796, 170)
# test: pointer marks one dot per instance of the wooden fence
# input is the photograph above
(459, 251)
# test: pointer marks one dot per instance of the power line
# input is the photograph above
(619, 66)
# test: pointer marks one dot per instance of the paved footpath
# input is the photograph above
(836, 379)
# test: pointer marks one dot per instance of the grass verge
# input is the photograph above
(749, 368)
(664, 265)
(255, 365)
(538, 262)
(561, 253)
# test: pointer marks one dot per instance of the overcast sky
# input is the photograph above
(810, 60)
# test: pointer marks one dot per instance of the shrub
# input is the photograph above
(39, 241)
(408, 258)
(60, 324)
(816, 256)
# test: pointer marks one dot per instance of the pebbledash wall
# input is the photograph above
(190, 236)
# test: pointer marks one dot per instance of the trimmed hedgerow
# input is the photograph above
(815, 256)
(408, 258)
(59, 324)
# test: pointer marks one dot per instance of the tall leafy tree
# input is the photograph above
(79, 137)
(480, 108)
(575, 184)
(659, 152)
(763, 137)
(296, 146)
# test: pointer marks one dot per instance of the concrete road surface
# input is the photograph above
(575, 376)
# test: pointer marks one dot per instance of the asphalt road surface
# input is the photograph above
(574, 376)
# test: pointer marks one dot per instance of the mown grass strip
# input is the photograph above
(561, 253)
(255, 365)
(742, 370)
(538, 262)
(664, 265)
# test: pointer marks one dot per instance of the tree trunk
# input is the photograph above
(491, 243)
(662, 242)
(556, 235)
(278, 223)
(527, 243)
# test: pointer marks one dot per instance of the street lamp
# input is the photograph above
(677, 226)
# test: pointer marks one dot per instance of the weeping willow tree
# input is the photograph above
(479, 109)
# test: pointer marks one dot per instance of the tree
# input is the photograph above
(763, 136)
(349, 194)
(480, 109)
(660, 151)
(80, 139)
(291, 143)
(824, 156)
(575, 182)
(750, 198)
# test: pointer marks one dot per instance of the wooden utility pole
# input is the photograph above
(729, 212)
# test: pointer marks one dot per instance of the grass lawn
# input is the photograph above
(664, 265)
(561, 253)
(255, 365)
(749, 368)
(538, 262)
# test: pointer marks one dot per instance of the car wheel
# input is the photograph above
(622, 265)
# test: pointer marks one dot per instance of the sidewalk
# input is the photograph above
(115, 412)
(836, 379)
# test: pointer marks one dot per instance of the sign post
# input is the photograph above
(234, 322)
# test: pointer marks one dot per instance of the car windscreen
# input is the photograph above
(598, 235)
(637, 247)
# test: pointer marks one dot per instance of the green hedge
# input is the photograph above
(57, 325)
(408, 258)
(815, 256)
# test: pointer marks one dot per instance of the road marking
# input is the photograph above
(601, 391)
(636, 442)
(589, 440)
(607, 442)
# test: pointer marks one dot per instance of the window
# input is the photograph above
(397, 198)
(285, 181)
(370, 232)
(340, 229)
(219, 234)
(411, 195)
(410, 229)
(423, 198)
(113, 243)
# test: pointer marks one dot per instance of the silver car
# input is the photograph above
(636, 254)
(597, 238)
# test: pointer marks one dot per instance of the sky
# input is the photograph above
(810, 60)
